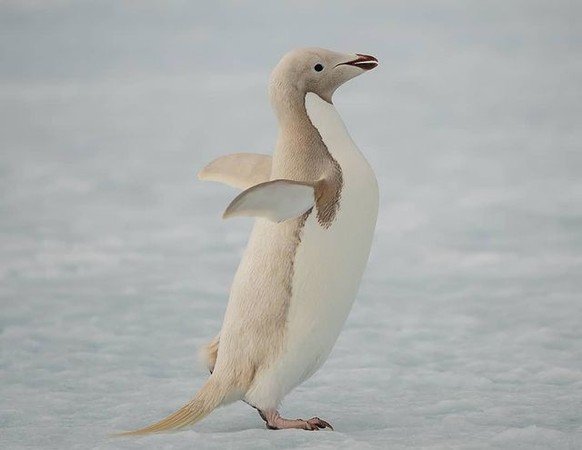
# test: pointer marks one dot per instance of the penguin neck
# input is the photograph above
(289, 106)
(300, 153)
(297, 135)
(306, 112)
(326, 120)
(307, 123)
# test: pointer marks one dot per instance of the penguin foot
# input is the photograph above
(275, 422)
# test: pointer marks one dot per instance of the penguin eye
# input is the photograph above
(318, 68)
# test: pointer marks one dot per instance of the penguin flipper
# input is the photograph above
(276, 200)
(239, 170)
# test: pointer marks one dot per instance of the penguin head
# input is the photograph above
(316, 70)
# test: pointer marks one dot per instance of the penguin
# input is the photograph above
(315, 204)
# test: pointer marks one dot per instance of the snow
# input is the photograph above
(115, 265)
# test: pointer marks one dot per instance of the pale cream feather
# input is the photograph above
(214, 393)
(277, 200)
(239, 170)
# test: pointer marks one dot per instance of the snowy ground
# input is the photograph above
(115, 265)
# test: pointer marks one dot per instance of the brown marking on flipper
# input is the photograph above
(327, 197)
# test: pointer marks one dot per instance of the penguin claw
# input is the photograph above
(320, 424)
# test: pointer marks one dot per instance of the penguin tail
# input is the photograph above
(208, 398)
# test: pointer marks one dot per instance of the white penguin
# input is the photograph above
(315, 203)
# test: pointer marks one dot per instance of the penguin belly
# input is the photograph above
(327, 269)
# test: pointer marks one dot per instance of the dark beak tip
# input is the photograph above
(363, 57)
(363, 61)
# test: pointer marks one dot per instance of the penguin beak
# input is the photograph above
(365, 62)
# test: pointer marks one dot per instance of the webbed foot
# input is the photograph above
(275, 422)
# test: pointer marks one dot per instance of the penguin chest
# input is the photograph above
(329, 262)
(328, 267)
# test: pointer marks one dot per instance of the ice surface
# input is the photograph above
(115, 265)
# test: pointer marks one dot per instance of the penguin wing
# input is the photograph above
(276, 200)
(239, 170)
